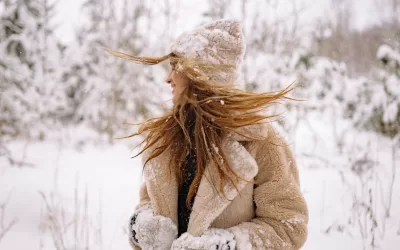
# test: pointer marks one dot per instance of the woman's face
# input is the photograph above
(178, 83)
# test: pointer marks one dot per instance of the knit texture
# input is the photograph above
(219, 42)
(151, 232)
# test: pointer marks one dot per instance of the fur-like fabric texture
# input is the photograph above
(266, 212)
(151, 232)
(212, 239)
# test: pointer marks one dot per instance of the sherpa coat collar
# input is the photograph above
(162, 186)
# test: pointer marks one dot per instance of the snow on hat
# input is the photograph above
(219, 43)
(212, 52)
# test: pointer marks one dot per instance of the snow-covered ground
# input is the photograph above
(108, 174)
(105, 181)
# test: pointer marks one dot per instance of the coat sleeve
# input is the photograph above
(281, 214)
(144, 199)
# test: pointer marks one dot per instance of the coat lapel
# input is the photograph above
(209, 203)
(162, 186)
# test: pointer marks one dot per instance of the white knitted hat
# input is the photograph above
(219, 42)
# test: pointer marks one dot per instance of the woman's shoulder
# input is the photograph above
(259, 133)
(274, 140)
(274, 155)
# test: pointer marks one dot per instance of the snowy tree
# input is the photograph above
(17, 25)
(105, 92)
(386, 95)
(377, 104)
(27, 66)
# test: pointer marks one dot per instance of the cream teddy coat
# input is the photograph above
(269, 212)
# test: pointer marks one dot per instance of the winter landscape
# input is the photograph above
(68, 183)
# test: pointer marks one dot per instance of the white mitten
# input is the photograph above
(214, 238)
(151, 232)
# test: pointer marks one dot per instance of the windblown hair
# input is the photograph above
(218, 110)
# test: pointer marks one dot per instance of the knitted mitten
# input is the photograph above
(151, 232)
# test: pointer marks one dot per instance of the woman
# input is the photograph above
(216, 175)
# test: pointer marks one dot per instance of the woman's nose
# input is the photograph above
(169, 78)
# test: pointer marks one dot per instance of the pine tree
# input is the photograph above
(27, 67)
